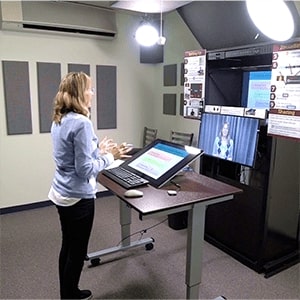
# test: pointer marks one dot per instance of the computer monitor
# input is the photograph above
(161, 160)
(231, 138)
(256, 89)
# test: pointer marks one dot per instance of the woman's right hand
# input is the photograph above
(106, 145)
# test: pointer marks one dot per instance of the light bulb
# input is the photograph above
(146, 35)
(272, 18)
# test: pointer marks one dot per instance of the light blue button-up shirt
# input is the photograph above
(77, 157)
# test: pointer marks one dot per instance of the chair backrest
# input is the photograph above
(149, 135)
(182, 138)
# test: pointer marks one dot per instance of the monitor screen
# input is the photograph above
(231, 138)
(161, 160)
(256, 89)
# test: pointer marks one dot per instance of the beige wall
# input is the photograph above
(26, 160)
(179, 40)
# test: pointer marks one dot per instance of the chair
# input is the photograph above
(182, 138)
(149, 135)
(179, 220)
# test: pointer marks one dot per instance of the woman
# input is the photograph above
(223, 144)
(79, 158)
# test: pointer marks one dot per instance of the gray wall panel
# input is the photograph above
(49, 77)
(170, 75)
(79, 68)
(17, 97)
(181, 106)
(181, 73)
(106, 89)
(169, 104)
(152, 55)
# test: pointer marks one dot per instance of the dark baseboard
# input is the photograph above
(18, 208)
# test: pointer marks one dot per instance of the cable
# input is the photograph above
(141, 232)
(176, 184)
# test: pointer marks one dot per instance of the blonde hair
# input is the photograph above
(70, 96)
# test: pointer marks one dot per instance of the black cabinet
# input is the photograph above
(259, 227)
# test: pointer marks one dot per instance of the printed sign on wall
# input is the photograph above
(194, 83)
(284, 116)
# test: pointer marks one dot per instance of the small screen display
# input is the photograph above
(161, 160)
(256, 89)
(158, 160)
(231, 138)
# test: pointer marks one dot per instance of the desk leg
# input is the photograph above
(196, 223)
(125, 221)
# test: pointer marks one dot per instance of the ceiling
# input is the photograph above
(215, 24)
(143, 6)
(226, 24)
(146, 6)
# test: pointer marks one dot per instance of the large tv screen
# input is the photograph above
(231, 138)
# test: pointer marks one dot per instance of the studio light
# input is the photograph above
(272, 18)
(146, 34)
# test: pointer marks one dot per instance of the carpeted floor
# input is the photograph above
(30, 242)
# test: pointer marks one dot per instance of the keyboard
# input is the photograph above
(124, 177)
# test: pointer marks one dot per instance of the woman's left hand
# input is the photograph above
(121, 151)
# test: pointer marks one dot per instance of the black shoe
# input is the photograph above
(85, 295)
(79, 294)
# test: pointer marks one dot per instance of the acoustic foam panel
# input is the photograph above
(49, 77)
(181, 107)
(17, 97)
(106, 85)
(170, 75)
(169, 104)
(152, 55)
(79, 68)
(182, 74)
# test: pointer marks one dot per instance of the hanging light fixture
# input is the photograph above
(161, 39)
(146, 34)
(272, 18)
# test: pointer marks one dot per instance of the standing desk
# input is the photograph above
(196, 193)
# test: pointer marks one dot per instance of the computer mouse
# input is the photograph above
(172, 193)
(133, 193)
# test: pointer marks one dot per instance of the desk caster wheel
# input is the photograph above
(149, 246)
(95, 262)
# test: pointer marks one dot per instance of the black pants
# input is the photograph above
(76, 225)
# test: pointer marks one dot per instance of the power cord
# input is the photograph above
(176, 184)
(141, 232)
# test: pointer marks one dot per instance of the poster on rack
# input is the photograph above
(284, 116)
(194, 83)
